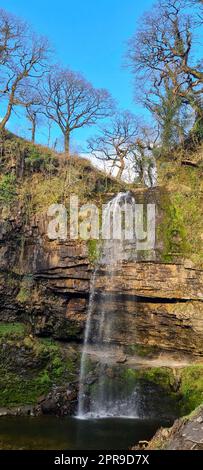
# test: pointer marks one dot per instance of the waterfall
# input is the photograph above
(100, 394)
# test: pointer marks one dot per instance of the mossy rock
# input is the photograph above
(180, 228)
(191, 388)
(29, 366)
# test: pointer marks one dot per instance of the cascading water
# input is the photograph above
(100, 394)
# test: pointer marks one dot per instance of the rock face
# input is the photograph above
(159, 280)
(161, 305)
(185, 434)
(46, 283)
(42, 281)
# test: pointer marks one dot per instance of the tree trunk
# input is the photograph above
(2, 143)
(9, 108)
(11, 101)
(142, 173)
(33, 130)
(197, 130)
(67, 144)
(121, 168)
(49, 133)
(6, 117)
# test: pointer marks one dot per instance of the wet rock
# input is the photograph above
(185, 434)
(122, 360)
(90, 380)
(3, 411)
(24, 410)
(49, 406)
(60, 401)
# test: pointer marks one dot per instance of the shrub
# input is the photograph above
(7, 188)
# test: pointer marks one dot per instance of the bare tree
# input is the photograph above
(10, 33)
(49, 127)
(23, 57)
(33, 113)
(72, 102)
(33, 106)
(163, 50)
(116, 142)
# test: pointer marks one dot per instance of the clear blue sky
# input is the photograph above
(88, 36)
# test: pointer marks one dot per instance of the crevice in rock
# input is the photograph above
(146, 299)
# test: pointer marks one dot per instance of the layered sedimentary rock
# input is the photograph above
(47, 284)
(157, 304)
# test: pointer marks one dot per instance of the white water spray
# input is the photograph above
(104, 400)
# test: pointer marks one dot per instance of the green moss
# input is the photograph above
(186, 385)
(93, 250)
(173, 230)
(191, 388)
(70, 365)
(161, 376)
(7, 189)
(23, 295)
(194, 412)
(11, 280)
(67, 330)
(16, 390)
(12, 329)
(181, 228)
(29, 367)
(142, 351)
(57, 362)
(49, 343)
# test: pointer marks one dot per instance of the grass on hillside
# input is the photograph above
(48, 177)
